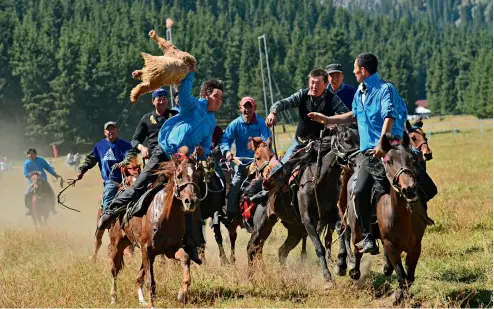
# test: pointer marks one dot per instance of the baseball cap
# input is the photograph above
(248, 100)
(334, 67)
(110, 123)
(160, 93)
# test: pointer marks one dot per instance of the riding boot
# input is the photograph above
(106, 219)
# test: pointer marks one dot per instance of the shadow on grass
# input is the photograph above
(211, 297)
(470, 298)
(463, 275)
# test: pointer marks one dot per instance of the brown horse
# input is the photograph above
(41, 198)
(401, 218)
(162, 228)
(130, 171)
(258, 169)
(418, 139)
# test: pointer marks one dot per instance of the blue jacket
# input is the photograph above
(107, 154)
(192, 126)
(381, 101)
(39, 164)
(345, 93)
(239, 131)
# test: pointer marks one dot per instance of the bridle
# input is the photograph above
(181, 186)
(395, 184)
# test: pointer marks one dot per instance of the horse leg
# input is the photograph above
(411, 263)
(292, 240)
(395, 258)
(219, 240)
(98, 236)
(388, 267)
(232, 232)
(328, 242)
(311, 230)
(303, 253)
(140, 283)
(347, 243)
(262, 229)
(116, 253)
(184, 290)
(341, 265)
(148, 260)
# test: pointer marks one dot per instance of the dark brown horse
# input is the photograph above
(401, 218)
(315, 201)
(162, 228)
(130, 172)
(41, 199)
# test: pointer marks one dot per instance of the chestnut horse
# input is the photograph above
(40, 199)
(161, 230)
(401, 217)
(130, 171)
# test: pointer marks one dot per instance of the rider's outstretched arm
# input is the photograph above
(336, 119)
(89, 162)
(292, 101)
(47, 167)
(187, 101)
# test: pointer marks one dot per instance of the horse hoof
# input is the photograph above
(182, 297)
(398, 297)
(113, 302)
(354, 274)
(340, 271)
(143, 303)
(92, 258)
(387, 271)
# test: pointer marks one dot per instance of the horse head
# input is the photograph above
(398, 164)
(262, 152)
(186, 177)
(131, 170)
(418, 138)
(36, 180)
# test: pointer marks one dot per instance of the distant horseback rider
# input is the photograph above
(316, 98)
(38, 164)
(107, 153)
(379, 110)
(150, 124)
(248, 124)
(193, 126)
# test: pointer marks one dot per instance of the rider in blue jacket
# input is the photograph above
(38, 164)
(192, 126)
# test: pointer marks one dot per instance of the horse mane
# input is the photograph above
(254, 187)
(166, 168)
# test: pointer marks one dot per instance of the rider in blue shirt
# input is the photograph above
(379, 110)
(248, 124)
(106, 153)
(38, 164)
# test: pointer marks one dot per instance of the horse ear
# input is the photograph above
(405, 141)
(386, 143)
(251, 144)
(408, 125)
(419, 123)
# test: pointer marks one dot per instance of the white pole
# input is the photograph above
(169, 24)
(269, 71)
(262, 76)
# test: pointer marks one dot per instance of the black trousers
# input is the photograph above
(145, 178)
(371, 174)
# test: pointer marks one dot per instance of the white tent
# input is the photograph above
(422, 110)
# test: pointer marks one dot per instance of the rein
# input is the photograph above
(180, 187)
(71, 183)
(395, 185)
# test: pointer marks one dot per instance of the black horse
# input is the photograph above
(212, 206)
(313, 203)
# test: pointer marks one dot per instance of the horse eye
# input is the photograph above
(179, 176)
(413, 138)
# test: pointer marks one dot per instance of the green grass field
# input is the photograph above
(50, 267)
